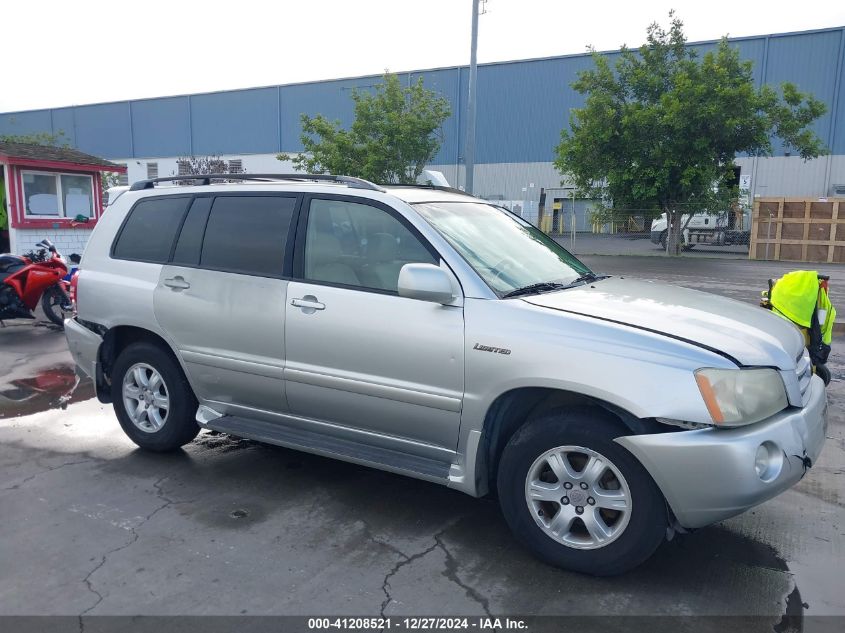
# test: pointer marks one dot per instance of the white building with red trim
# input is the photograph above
(52, 192)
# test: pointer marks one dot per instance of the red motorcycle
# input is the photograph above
(35, 275)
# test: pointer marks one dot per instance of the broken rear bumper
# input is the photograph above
(84, 346)
(708, 475)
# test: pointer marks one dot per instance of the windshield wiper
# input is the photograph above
(586, 277)
(543, 286)
(548, 286)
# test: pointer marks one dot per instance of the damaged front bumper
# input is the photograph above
(712, 474)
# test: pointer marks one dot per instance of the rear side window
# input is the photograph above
(248, 234)
(150, 229)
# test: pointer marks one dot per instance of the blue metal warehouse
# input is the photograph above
(522, 106)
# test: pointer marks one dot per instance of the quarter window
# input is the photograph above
(248, 234)
(358, 245)
(150, 229)
(50, 194)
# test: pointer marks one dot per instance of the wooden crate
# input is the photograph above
(798, 230)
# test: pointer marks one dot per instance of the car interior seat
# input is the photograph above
(383, 263)
(323, 261)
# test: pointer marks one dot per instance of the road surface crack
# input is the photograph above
(43, 472)
(451, 572)
(370, 536)
(407, 560)
(134, 536)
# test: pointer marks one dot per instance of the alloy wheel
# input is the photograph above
(145, 397)
(578, 497)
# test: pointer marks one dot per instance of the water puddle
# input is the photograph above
(41, 392)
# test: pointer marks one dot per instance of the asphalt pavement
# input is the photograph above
(90, 525)
(639, 244)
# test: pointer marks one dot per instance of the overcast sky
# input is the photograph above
(64, 53)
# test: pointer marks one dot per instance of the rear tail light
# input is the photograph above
(74, 281)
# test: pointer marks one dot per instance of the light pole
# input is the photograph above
(469, 153)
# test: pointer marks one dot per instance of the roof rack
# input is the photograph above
(205, 179)
(433, 187)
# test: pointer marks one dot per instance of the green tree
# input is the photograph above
(396, 132)
(39, 138)
(109, 179)
(660, 130)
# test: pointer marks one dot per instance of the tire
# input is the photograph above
(156, 428)
(823, 372)
(630, 536)
(51, 302)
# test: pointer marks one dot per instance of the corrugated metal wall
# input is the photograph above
(522, 107)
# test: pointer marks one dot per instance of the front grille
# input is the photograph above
(804, 371)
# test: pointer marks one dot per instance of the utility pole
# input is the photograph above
(469, 154)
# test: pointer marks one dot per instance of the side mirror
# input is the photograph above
(425, 282)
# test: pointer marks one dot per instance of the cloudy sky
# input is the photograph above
(65, 53)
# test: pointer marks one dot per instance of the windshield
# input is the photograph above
(506, 251)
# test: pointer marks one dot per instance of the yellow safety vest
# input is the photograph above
(797, 294)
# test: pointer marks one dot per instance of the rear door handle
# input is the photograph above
(308, 303)
(177, 283)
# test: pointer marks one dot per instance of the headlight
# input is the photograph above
(735, 397)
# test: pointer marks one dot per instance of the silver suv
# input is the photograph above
(435, 335)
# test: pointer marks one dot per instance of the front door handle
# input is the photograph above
(177, 283)
(308, 303)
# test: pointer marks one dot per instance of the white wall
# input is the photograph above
(136, 168)
(773, 176)
(67, 241)
(791, 176)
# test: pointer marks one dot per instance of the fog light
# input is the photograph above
(761, 460)
(768, 461)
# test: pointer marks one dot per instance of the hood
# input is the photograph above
(748, 334)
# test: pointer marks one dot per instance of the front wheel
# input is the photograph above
(823, 372)
(56, 305)
(577, 499)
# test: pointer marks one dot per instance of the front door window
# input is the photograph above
(351, 244)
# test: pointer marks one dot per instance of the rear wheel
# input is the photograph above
(576, 498)
(56, 305)
(152, 398)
